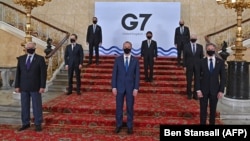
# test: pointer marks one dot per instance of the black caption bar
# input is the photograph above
(218, 132)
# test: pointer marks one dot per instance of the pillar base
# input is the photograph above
(238, 80)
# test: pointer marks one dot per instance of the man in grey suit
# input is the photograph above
(211, 83)
(73, 63)
(181, 37)
(30, 81)
(149, 55)
(125, 83)
(192, 54)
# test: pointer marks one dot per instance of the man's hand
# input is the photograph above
(220, 94)
(80, 66)
(114, 91)
(17, 90)
(135, 92)
(199, 94)
(42, 90)
(66, 67)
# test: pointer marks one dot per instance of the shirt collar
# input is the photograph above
(124, 56)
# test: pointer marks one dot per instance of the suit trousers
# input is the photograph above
(179, 52)
(77, 71)
(91, 49)
(190, 75)
(148, 62)
(36, 107)
(212, 99)
(129, 106)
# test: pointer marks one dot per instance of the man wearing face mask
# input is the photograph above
(94, 40)
(125, 84)
(181, 38)
(149, 54)
(192, 54)
(211, 84)
(30, 81)
(73, 59)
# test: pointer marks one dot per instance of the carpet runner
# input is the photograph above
(91, 115)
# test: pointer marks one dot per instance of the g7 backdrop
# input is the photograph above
(121, 21)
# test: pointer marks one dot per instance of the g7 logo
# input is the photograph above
(134, 24)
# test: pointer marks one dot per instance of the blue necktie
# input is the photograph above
(211, 67)
(126, 64)
(28, 62)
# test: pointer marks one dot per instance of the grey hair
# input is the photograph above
(33, 43)
(128, 42)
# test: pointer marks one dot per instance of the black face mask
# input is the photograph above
(193, 40)
(210, 52)
(94, 22)
(127, 50)
(72, 40)
(31, 50)
(181, 24)
(149, 37)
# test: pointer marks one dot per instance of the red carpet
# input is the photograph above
(91, 116)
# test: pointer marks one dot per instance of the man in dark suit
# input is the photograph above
(192, 54)
(73, 63)
(30, 81)
(149, 54)
(210, 87)
(94, 40)
(181, 37)
(125, 83)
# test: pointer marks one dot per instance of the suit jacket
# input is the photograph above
(94, 37)
(31, 79)
(214, 82)
(126, 81)
(190, 59)
(149, 50)
(73, 57)
(181, 38)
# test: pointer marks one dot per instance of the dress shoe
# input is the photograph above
(38, 128)
(118, 129)
(24, 127)
(195, 97)
(78, 93)
(189, 97)
(97, 63)
(150, 80)
(130, 131)
(89, 63)
(68, 93)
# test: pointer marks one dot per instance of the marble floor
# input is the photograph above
(231, 111)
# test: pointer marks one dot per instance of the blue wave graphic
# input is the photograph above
(114, 50)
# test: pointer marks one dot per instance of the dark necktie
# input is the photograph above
(28, 62)
(211, 66)
(126, 64)
(193, 48)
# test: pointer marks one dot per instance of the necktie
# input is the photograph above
(211, 66)
(148, 43)
(94, 26)
(28, 62)
(126, 64)
(193, 48)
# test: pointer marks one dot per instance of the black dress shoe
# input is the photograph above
(38, 128)
(195, 97)
(130, 131)
(97, 63)
(189, 97)
(24, 127)
(68, 93)
(78, 93)
(118, 129)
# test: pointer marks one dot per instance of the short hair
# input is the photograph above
(149, 32)
(33, 43)
(211, 44)
(128, 42)
(73, 34)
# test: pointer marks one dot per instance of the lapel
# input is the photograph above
(206, 63)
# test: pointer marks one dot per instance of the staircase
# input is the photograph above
(91, 115)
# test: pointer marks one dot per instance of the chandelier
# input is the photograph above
(31, 3)
(239, 6)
